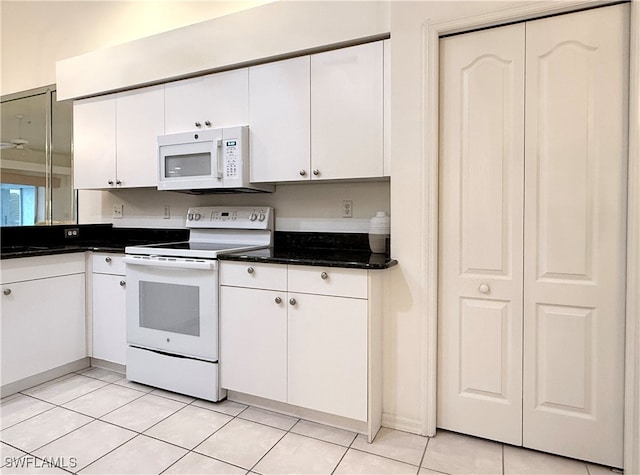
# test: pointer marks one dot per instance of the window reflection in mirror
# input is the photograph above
(36, 166)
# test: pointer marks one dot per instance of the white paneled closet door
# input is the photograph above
(575, 227)
(481, 200)
(532, 263)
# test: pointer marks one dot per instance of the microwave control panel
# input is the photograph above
(231, 158)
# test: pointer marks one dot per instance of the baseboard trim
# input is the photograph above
(31, 381)
(405, 424)
(299, 412)
(108, 365)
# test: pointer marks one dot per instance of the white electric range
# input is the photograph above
(172, 299)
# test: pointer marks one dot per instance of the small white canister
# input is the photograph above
(379, 232)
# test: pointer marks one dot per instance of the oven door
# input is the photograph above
(172, 305)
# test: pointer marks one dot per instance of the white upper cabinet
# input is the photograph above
(319, 117)
(279, 118)
(347, 112)
(94, 142)
(115, 139)
(212, 101)
(139, 121)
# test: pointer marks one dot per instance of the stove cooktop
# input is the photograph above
(215, 230)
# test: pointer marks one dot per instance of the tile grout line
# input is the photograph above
(424, 453)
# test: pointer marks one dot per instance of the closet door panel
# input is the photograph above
(480, 286)
(575, 214)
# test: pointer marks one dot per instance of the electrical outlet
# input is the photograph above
(166, 213)
(347, 208)
(118, 211)
(71, 232)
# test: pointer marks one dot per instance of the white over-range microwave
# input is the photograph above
(202, 161)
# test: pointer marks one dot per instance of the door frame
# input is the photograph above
(431, 33)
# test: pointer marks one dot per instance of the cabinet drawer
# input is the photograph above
(41, 267)
(328, 281)
(107, 263)
(250, 274)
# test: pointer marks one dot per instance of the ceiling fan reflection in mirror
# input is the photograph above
(19, 143)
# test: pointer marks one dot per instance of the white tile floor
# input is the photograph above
(97, 422)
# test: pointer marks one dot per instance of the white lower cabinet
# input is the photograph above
(306, 336)
(253, 333)
(43, 314)
(109, 332)
(327, 354)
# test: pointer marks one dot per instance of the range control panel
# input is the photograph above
(233, 217)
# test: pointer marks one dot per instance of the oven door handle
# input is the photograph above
(173, 264)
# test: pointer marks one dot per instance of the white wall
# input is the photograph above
(299, 207)
(36, 34)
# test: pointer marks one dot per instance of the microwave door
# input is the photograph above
(185, 166)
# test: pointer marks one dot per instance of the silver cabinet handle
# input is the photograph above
(107, 260)
(484, 288)
(7, 291)
(118, 182)
(316, 172)
(292, 301)
(302, 172)
(122, 283)
(207, 123)
(197, 124)
(324, 276)
(250, 270)
(110, 182)
(278, 300)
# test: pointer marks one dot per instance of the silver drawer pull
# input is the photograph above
(324, 276)
(122, 283)
(278, 300)
(107, 260)
(292, 301)
(250, 270)
(7, 291)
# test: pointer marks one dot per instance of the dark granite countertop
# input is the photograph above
(350, 250)
(297, 248)
(315, 257)
(31, 241)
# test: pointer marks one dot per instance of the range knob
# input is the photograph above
(253, 216)
(190, 217)
(262, 217)
(197, 216)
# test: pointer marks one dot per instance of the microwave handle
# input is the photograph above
(219, 158)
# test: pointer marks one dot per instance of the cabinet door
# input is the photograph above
(327, 358)
(109, 318)
(94, 143)
(253, 342)
(43, 325)
(139, 121)
(347, 112)
(227, 98)
(220, 99)
(280, 120)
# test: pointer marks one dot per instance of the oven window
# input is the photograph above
(194, 164)
(170, 307)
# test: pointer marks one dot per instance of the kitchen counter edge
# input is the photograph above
(302, 261)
